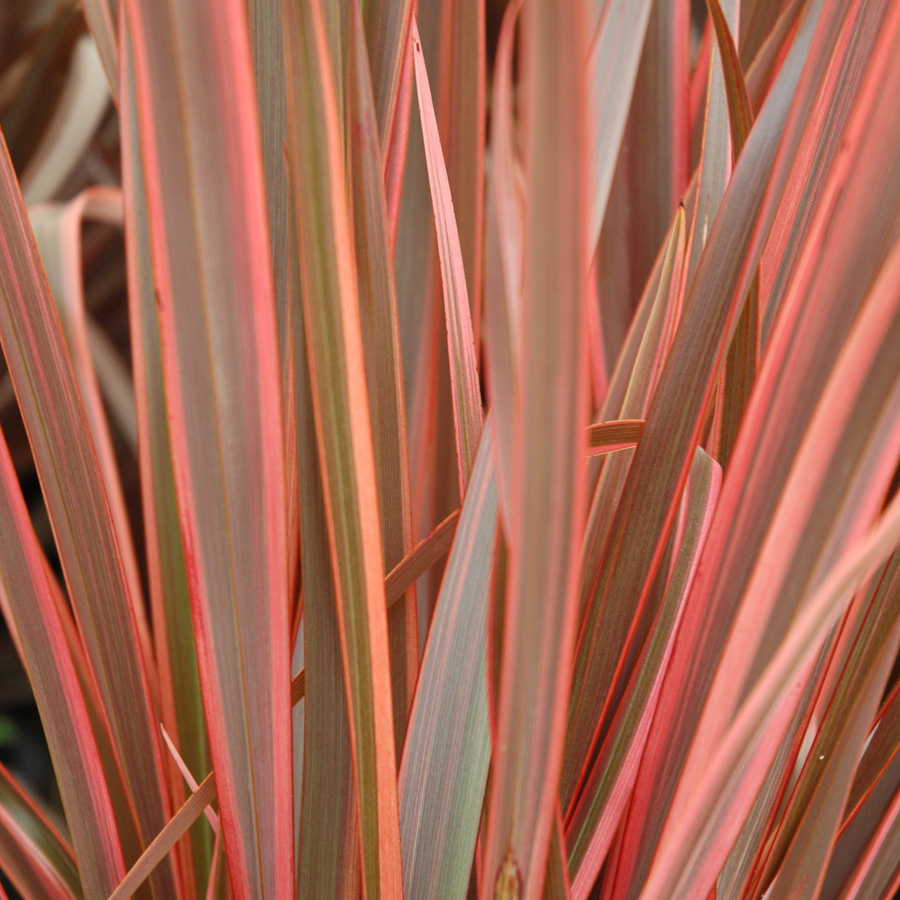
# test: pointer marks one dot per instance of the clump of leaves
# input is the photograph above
(490, 490)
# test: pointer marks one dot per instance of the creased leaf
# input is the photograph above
(387, 32)
(607, 437)
(460, 340)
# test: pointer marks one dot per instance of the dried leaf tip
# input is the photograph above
(509, 880)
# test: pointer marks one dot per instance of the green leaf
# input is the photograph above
(447, 750)
(340, 401)
(328, 860)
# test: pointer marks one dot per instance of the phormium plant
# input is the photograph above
(473, 474)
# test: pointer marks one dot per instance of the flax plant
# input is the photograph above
(450, 448)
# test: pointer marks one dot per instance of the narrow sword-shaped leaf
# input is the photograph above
(328, 859)
(617, 618)
(384, 364)
(420, 559)
(218, 886)
(79, 512)
(58, 236)
(757, 25)
(613, 60)
(192, 783)
(804, 193)
(156, 851)
(445, 761)
(266, 34)
(813, 818)
(877, 877)
(503, 265)
(33, 855)
(556, 881)
(739, 872)
(467, 412)
(268, 61)
(741, 360)
(740, 115)
(605, 437)
(216, 305)
(624, 369)
(398, 144)
(461, 110)
(868, 369)
(419, 303)
(340, 401)
(863, 853)
(689, 688)
(193, 807)
(101, 17)
(80, 777)
(605, 796)
(712, 815)
(181, 702)
(652, 170)
(387, 33)
(715, 165)
(762, 70)
(767, 549)
(646, 511)
(548, 481)
(880, 756)
(631, 390)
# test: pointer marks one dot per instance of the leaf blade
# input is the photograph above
(334, 343)
(447, 751)
(548, 478)
(467, 412)
(217, 312)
